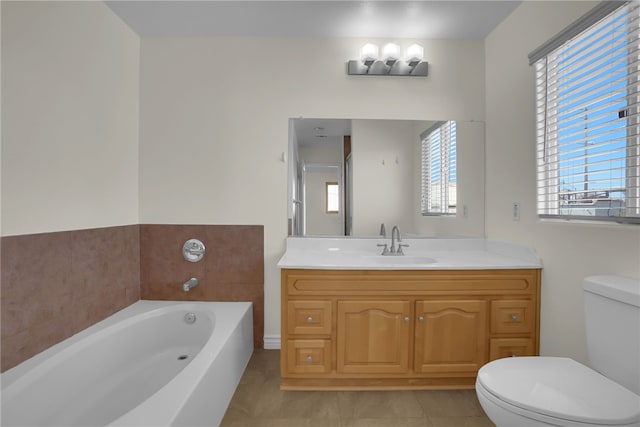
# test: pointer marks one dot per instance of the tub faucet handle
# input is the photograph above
(191, 283)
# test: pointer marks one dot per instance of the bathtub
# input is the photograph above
(150, 364)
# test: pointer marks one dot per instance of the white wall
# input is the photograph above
(214, 121)
(569, 251)
(318, 222)
(70, 92)
(383, 175)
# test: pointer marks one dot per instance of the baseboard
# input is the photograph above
(272, 342)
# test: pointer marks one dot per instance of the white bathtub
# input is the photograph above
(143, 366)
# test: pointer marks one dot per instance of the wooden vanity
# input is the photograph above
(403, 329)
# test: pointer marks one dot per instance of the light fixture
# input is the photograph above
(389, 63)
(390, 53)
(369, 54)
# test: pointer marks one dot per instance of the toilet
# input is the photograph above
(557, 391)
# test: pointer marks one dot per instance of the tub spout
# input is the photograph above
(191, 283)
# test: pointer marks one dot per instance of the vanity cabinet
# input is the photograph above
(403, 329)
(373, 336)
(450, 336)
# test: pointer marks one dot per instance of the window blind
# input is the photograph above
(587, 122)
(439, 169)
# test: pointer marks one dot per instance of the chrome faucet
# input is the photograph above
(393, 251)
(189, 284)
(394, 231)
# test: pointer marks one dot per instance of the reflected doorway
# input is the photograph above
(323, 212)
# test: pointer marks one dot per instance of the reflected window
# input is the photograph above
(439, 169)
(332, 197)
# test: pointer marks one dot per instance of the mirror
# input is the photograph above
(377, 165)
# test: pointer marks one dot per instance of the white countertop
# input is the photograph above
(349, 253)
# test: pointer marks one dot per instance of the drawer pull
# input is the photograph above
(420, 318)
(406, 319)
(309, 319)
(309, 359)
(515, 318)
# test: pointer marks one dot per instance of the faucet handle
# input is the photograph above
(385, 250)
(400, 245)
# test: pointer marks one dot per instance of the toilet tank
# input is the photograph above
(612, 315)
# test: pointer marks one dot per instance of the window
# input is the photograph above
(332, 197)
(587, 118)
(439, 169)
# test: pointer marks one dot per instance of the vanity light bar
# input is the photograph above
(389, 64)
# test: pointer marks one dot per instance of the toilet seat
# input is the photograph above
(559, 388)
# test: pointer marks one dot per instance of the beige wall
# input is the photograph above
(382, 153)
(70, 91)
(214, 122)
(569, 251)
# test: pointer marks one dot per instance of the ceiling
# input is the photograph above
(313, 131)
(358, 19)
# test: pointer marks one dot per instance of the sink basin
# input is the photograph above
(401, 260)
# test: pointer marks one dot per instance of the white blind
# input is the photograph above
(439, 170)
(587, 111)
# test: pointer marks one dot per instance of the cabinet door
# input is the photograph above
(309, 317)
(510, 347)
(450, 336)
(373, 336)
(308, 356)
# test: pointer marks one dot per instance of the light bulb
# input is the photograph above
(414, 54)
(390, 53)
(369, 53)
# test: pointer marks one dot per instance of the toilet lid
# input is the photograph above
(561, 388)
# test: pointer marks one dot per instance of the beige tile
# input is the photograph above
(384, 422)
(379, 404)
(242, 421)
(266, 361)
(459, 422)
(309, 404)
(243, 401)
(449, 403)
(259, 402)
(299, 422)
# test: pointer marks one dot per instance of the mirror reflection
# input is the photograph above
(348, 177)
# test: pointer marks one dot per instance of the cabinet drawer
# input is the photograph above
(308, 356)
(511, 316)
(510, 347)
(309, 317)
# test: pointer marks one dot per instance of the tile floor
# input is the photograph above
(259, 402)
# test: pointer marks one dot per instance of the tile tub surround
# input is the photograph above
(57, 284)
(232, 268)
(259, 402)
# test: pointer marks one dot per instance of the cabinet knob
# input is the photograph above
(513, 355)
(406, 319)
(309, 319)
(420, 318)
(515, 317)
(309, 359)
